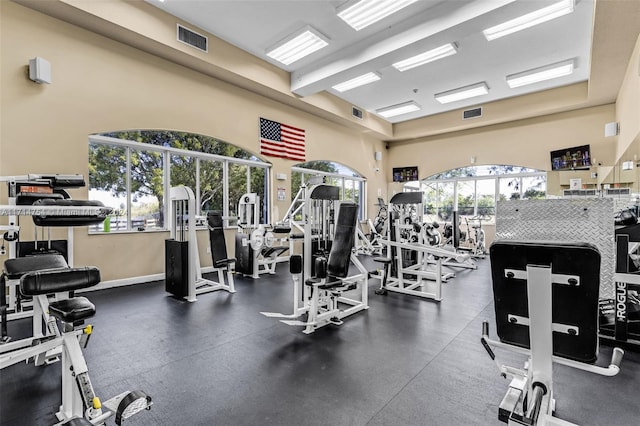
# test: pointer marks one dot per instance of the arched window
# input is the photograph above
(476, 190)
(132, 171)
(351, 184)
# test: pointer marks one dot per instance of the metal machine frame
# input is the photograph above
(318, 209)
(261, 241)
(183, 205)
(530, 397)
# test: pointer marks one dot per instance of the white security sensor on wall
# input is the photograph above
(40, 70)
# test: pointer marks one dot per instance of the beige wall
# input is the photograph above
(103, 85)
(525, 143)
(100, 85)
(628, 110)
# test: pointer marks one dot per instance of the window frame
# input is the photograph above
(167, 151)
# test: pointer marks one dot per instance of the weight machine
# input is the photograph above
(80, 404)
(325, 304)
(44, 198)
(182, 259)
(412, 265)
(546, 305)
(259, 248)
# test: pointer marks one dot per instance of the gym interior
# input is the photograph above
(431, 218)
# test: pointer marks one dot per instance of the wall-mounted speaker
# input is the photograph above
(40, 70)
(611, 129)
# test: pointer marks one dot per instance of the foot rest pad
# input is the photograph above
(72, 310)
(128, 404)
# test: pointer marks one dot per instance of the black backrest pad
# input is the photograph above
(57, 280)
(571, 305)
(343, 240)
(55, 220)
(295, 264)
(15, 268)
(216, 238)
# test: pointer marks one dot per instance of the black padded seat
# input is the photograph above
(296, 236)
(279, 229)
(221, 263)
(72, 310)
(58, 280)
(78, 421)
(271, 250)
(384, 260)
(16, 268)
(330, 282)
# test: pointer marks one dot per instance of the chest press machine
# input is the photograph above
(182, 259)
(259, 247)
(320, 275)
(546, 305)
(80, 405)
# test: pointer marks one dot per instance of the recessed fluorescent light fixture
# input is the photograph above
(530, 19)
(466, 92)
(536, 75)
(362, 13)
(399, 109)
(367, 78)
(298, 45)
(426, 57)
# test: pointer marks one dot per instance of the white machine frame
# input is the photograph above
(537, 377)
(179, 196)
(316, 215)
(259, 236)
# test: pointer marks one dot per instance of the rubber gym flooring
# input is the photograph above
(405, 361)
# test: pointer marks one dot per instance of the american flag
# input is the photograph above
(281, 140)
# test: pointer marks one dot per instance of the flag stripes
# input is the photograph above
(281, 140)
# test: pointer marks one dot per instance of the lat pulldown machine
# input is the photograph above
(546, 304)
(182, 259)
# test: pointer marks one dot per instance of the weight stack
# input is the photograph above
(176, 266)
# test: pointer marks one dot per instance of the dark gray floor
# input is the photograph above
(405, 361)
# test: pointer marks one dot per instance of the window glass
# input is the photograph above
(237, 188)
(534, 187)
(127, 171)
(147, 190)
(211, 186)
(108, 183)
(486, 199)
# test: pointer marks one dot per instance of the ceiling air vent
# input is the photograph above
(472, 113)
(192, 38)
(357, 113)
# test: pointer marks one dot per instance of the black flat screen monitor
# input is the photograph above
(578, 157)
(405, 174)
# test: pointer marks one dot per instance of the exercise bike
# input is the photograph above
(478, 242)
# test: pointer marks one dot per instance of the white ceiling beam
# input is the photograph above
(305, 83)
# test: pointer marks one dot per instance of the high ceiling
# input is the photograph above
(257, 25)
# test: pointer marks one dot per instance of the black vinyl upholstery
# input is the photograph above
(58, 280)
(574, 305)
(343, 241)
(72, 310)
(295, 264)
(15, 268)
(217, 241)
(54, 220)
